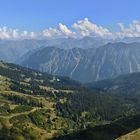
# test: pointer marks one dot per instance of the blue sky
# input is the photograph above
(27, 19)
(39, 14)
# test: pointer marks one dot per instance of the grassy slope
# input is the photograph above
(134, 135)
(14, 114)
(39, 106)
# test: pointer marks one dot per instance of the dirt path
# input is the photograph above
(18, 114)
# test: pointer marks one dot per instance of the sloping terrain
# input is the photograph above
(108, 131)
(27, 106)
(14, 50)
(87, 65)
(134, 135)
(35, 105)
(125, 84)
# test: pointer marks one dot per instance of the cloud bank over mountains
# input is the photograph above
(82, 28)
(133, 30)
(13, 34)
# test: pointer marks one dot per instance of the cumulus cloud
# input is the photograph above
(133, 30)
(13, 34)
(81, 28)
(61, 31)
(86, 28)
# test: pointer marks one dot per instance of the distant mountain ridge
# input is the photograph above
(123, 85)
(13, 50)
(87, 65)
(84, 59)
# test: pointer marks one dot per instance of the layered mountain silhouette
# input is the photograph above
(87, 65)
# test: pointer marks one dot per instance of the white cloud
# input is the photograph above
(133, 30)
(81, 28)
(13, 34)
(86, 28)
(61, 31)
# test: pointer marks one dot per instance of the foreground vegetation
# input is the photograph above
(38, 106)
(106, 132)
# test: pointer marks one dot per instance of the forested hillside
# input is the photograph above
(35, 105)
(108, 131)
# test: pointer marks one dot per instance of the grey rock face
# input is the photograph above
(87, 65)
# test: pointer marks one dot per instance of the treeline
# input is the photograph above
(99, 106)
(24, 100)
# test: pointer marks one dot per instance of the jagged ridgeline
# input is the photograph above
(87, 65)
(39, 106)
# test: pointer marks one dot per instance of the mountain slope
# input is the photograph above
(13, 50)
(35, 105)
(134, 135)
(125, 84)
(87, 65)
(106, 132)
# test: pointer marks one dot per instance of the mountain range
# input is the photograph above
(86, 59)
(13, 50)
(87, 65)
